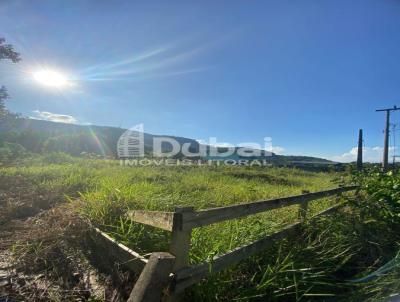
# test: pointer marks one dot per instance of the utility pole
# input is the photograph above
(360, 150)
(394, 144)
(385, 161)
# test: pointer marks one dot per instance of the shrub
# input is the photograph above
(58, 158)
(11, 151)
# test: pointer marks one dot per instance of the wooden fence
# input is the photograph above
(183, 220)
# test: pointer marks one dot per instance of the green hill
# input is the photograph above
(41, 136)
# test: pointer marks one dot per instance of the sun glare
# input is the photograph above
(51, 78)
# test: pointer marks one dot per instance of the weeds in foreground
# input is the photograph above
(318, 265)
(323, 263)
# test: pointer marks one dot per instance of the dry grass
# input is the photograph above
(48, 257)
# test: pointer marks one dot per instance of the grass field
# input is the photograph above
(104, 191)
(294, 269)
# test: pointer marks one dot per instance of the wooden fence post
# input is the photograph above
(303, 207)
(180, 238)
(180, 243)
(153, 279)
(339, 195)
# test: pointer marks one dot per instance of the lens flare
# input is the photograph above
(51, 78)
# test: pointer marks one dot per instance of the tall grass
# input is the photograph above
(315, 265)
(103, 191)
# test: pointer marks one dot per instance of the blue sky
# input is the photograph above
(309, 74)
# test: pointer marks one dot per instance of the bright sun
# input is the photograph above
(51, 78)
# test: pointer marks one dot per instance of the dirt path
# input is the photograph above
(41, 250)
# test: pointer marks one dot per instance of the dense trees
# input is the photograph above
(7, 52)
(75, 143)
(8, 151)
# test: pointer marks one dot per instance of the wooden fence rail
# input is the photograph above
(121, 254)
(193, 274)
(210, 216)
(181, 222)
(161, 220)
(190, 220)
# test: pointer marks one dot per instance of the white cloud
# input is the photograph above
(214, 143)
(54, 117)
(370, 154)
(276, 149)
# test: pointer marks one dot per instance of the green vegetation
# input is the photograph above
(104, 192)
(41, 137)
(318, 264)
(7, 52)
(332, 251)
(10, 152)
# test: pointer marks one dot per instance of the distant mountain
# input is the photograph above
(45, 136)
(39, 135)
